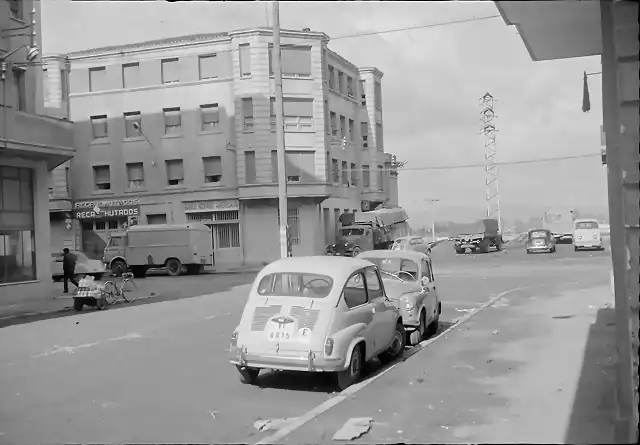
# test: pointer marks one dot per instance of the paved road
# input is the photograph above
(159, 372)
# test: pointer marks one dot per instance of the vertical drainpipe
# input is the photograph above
(624, 393)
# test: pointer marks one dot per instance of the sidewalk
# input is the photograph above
(536, 367)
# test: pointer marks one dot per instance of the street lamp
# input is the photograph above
(138, 127)
(33, 51)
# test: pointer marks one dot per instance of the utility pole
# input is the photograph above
(492, 192)
(433, 220)
(282, 174)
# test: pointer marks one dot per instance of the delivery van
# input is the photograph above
(175, 247)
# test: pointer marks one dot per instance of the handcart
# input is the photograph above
(89, 293)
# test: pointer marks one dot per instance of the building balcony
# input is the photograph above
(36, 137)
(316, 191)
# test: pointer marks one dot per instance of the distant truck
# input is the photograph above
(480, 236)
(174, 247)
(560, 224)
(373, 230)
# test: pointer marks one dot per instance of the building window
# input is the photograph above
(130, 75)
(378, 94)
(343, 127)
(208, 66)
(351, 124)
(354, 175)
(350, 91)
(363, 94)
(274, 166)
(341, 85)
(212, 169)
(296, 62)
(170, 70)
(135, 175)
(15, 7)
(131, 118)
(334, 124)
(364, 131)
(175, 172)
(250, 167)
(17, 228)
(99, 127)
(98, 78)
(247, 113)
(210, 117)
(245, 60)
(380, 178)
(345, 173)
(172, 120)
(366, 181)
(335, 169)
(20, 85)
(298, 114)
(102, 177)
(293, 221)
(272, 114)
(227, 229)
(160, 218)
(327, 126)
(64, 84)
(379, 141)
(301, 166)
(113, 224)
(332, 77)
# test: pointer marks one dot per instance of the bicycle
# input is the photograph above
(126, 291)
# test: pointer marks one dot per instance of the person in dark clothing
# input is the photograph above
(68, 269)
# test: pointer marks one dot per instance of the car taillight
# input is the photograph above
(328, 346)
(234, 339)
(594, 237)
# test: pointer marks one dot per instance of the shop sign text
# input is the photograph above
(111, 208)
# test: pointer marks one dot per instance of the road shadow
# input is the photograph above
(592, 416)
(325, 382)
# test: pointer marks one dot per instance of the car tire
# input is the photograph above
(460, 251)
(397, 347)
(351, 375)
(355, 252)
(484, 247)
(248, 376)
(118, 267)
(575, 248)
(78, 304)
(173, 267)
(432, 329)
(419, 334)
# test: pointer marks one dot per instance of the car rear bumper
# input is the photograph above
(584, 245)
(310, 362)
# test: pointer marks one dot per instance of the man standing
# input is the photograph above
(68, 269)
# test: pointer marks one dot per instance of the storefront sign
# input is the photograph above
(211, 206)
(108, 208)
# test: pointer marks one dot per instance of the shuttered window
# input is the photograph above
(379, 137)
(130, 75)
(345, 173)
(172, 120)
(380, 178)
(135, 175)
(98, 78)
(364, 131)
(250, 167)
(210, 117)
(131, 118)
(298, 114)
(335, 169)
(296, 62)
(170, 70)
(247, 112)
(365, 177)
(245, 60)
(378, 94)
(334, 124)
(272, 114)
(209, 66)
(175, 173)
(102, 177)
(212, 169)
(354, 175)
(300, 166)
(99, 127)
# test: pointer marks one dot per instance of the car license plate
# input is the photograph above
(538, 242)
(279, 335)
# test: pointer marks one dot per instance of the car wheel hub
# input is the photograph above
(397, 343)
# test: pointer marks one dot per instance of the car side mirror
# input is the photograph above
(425, 281)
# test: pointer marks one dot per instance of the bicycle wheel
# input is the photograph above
(129, 291)
(109, 292)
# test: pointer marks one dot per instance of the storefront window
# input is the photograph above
(17, 235)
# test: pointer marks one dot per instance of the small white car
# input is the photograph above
(587, 235)
(317, 314)
(84, 266)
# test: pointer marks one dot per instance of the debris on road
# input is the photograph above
(354, 428)
(271, 424)
(496, 332)
(464, 367)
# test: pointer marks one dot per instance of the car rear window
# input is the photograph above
(539, 234)
(293, 284)
(587, 225)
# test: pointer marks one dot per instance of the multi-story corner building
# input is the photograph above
(183, 129)
(31, 146)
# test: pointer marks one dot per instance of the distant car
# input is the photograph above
(415, 243)
(317, 314)
(587, 235)
(410, 284)
(540, 240)
(84, 266)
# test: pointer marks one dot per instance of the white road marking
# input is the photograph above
(71, 349)
(350, 391)
(211, 317)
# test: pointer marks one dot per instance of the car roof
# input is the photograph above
(337, 267)
(579, 220)
(403, 254)
(539, 230)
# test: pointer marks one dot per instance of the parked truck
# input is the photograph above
(174, 247)
(560, 224)
(373, 230)
(479, 236)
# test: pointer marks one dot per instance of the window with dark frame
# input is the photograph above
(131, 118)
(244, 53)
(175, 171)
(99, 128)
(130, 75)
(250, 167)
(210, 115)
(172, 121)
(102, 177)
(20, 84)
(208, 66)
(247, 113)
(97, 78)
(135, 175)
(170, 70)
(212, 169)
